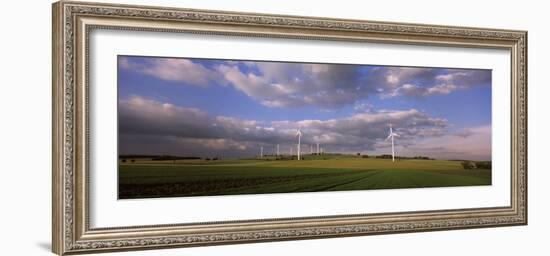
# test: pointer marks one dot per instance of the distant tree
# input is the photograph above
(133, 160)
(468, 165)
(483, 164)
(124, 160)
(365, 156)
(358, 154)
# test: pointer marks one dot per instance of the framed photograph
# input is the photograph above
(179, 127)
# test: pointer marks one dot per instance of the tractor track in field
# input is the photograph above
(373, 173)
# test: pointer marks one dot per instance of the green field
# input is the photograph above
(144, 178)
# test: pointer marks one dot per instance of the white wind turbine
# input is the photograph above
(299, 134)
(278, 150)
(317, 148)
(262, 152)
(391, 136)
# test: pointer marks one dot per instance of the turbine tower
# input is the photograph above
(299, 134)
(262, 152)
(317, 148)
(391, 136)
(277, 149)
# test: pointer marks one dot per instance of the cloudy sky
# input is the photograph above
(207, 108)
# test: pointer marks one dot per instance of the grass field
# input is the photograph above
(149, 179)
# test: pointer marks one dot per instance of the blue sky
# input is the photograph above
(231, 108)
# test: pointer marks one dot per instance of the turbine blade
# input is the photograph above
(389, 136)
(396, 135)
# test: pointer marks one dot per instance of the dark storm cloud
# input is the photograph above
(143, 116)
(164, 127)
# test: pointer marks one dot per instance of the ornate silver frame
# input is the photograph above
(72, 22)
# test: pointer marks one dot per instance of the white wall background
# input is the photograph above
(25, 149)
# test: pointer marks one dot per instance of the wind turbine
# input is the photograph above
(277, 149)
(262, 152)
(299, 134)
(391, 136)
(317, 148)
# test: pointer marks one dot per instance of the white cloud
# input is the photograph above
(254, 86)
(442, 89)
(328, 86)
(295, 84)
(412, 90)
(173, 69)
(362, 106)
(423, 82)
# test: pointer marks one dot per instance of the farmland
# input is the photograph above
(145, 178)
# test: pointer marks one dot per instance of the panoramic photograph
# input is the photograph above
(213, 127)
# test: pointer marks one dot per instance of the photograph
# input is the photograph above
(213, 127)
